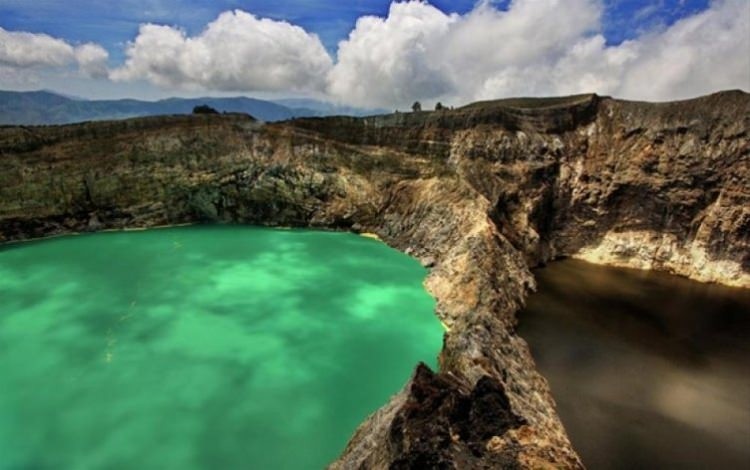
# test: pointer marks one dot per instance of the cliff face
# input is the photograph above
(637, 184)
(479, 194)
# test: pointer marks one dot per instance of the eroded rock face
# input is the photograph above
(440, 425)
(481, 194)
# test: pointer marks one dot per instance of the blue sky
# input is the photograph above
(113, 24)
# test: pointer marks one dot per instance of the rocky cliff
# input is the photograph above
(479, 194)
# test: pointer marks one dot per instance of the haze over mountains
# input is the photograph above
(45, 107)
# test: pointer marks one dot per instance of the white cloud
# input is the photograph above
(417, 52)
(707, 52)
(14, 77)
(385, 60)
(390, 60)
(92, 60)
(236, 52)
(23, 50)
(536, 47)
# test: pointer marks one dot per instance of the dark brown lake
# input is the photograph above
(648, 370)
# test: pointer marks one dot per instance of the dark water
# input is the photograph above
(648, 370)
(202, 347)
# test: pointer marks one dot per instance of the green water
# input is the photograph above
(202, 347)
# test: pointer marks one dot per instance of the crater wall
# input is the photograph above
(479, 194)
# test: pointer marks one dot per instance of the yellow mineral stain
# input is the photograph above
(374, 236)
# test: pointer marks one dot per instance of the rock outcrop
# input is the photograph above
(480, 195)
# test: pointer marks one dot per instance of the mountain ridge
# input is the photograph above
(45, 107)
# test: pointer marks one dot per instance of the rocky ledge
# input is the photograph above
(479, 194)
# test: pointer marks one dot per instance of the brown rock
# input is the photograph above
(482, 193)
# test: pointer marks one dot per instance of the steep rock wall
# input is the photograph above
(479, 194)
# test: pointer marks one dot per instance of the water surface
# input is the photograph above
(202, 347)
(648, 370)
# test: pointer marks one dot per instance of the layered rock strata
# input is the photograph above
(480, 195)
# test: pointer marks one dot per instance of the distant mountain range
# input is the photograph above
(44, 107)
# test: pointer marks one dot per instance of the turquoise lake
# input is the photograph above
(202, 347)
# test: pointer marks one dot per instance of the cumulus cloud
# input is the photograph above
(536, 47)
(391, 60)
(23, 50)
(92, 60)
(418, 52)
(236, 52)
(706, 52)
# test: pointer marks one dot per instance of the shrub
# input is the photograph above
(204, 109)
